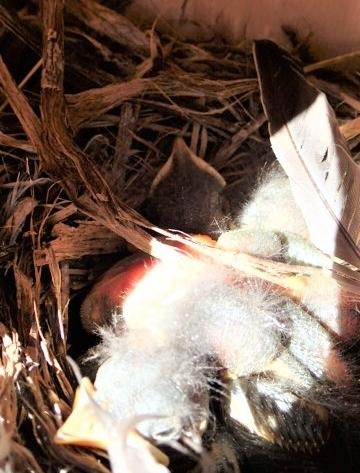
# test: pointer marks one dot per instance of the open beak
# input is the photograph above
(84, 428)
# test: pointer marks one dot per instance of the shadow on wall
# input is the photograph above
(333, 25)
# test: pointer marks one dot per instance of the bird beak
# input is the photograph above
(84, 427)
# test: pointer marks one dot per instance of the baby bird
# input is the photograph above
(169, 327)
(308, 216)
(186, 194)
(147, 365)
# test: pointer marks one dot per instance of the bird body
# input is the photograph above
(174, 325)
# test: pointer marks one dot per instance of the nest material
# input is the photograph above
(88, 114)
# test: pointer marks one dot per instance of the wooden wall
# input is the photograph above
(335, 24)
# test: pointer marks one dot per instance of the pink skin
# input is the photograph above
(336, 368)
(113, 287)
(349, 316)
(118, 281)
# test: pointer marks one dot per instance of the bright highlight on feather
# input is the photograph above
(306, 140)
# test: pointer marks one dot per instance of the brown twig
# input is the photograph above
(68, 159)
(109, 23)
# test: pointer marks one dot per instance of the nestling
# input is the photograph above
(276, 336)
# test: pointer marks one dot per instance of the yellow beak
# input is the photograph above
(84, 428)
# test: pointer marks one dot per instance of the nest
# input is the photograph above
(90, 108)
